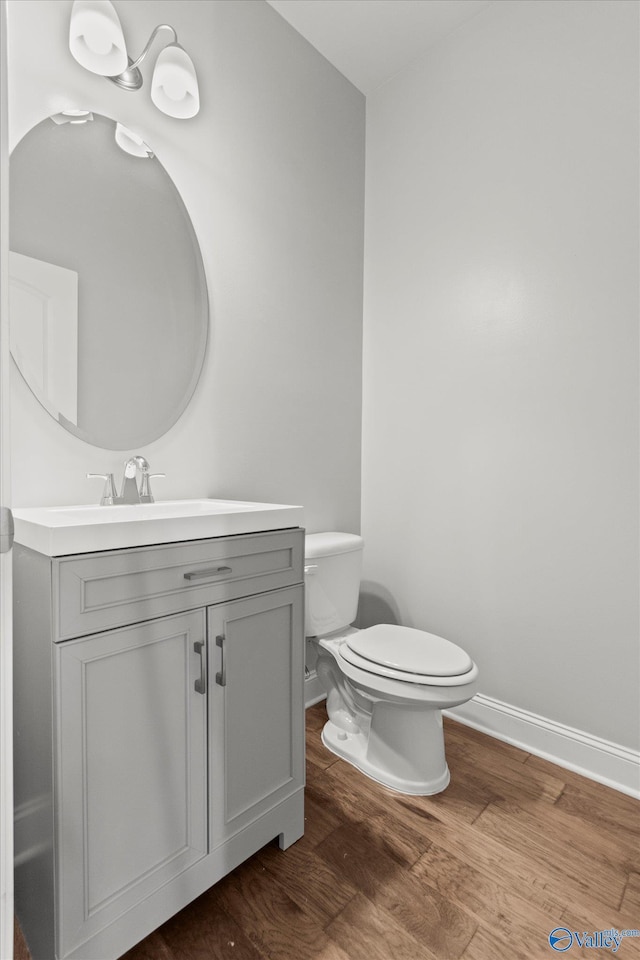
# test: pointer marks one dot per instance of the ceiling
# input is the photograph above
(371, 40)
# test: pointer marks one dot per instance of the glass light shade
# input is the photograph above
(72, 116)
(96, 39)
(131, 143)
(174, 87)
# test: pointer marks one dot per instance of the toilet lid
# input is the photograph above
(411, 651)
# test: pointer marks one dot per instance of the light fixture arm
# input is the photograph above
(161, 26)
(131, 78)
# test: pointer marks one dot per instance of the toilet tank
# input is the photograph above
(333, 566)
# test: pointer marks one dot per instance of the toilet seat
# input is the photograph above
(403, 653)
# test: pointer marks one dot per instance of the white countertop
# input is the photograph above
(57, 531)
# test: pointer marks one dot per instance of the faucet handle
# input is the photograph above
(109, 493)
(145, 487)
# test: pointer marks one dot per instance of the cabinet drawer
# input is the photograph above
(98, 591)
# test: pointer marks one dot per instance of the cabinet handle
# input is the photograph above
(205, 574)
(200, 685)
(221, 676)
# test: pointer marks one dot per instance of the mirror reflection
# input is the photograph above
(108, 300)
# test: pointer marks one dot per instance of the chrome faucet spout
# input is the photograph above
(130, 492)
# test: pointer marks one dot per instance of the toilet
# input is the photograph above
(386, 685)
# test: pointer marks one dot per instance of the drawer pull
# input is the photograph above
(221, 676)
(200, 685)
(208, 573)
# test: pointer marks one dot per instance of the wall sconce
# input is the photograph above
(96, 41)
(126, 139)
(131, 143)
(72, 116)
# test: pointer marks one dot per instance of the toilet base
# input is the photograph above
(356, 749)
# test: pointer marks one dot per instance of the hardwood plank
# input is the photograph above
(503, 910)
(464, 799)
(366, 932)
(486, 945)
(317, 753)
(495, 859)
(154, 947)
(270, 919)
(320, 817)
(590, 910)
(361, 854)
(578, 870)
(454, 729)
(601, 836)
(601, 806)
(309, 881)
(428, 915)
(358, 799)
(199, 932)
(631, 897)
(316, 717)
(506, 777)
(620, 805)
(570, 837)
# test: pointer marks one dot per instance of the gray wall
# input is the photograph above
(500, 398)
(500, 436)
(271, 171)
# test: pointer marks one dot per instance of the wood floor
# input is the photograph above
(514, 848)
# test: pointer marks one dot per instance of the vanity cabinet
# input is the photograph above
(130, 768)
(159, 730)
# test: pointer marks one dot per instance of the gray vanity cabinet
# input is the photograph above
(159, 730)
(255, 646)
(130, 769)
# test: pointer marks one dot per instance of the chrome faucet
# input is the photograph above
(130, 492)
(109, 494)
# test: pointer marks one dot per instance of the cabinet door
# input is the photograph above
(256, 735)
(130, 769)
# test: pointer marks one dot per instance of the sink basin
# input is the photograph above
(57, 531)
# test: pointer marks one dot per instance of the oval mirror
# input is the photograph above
(108, 301)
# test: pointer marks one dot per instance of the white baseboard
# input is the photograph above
(590, 756)
(608, 763)
(313, 690)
